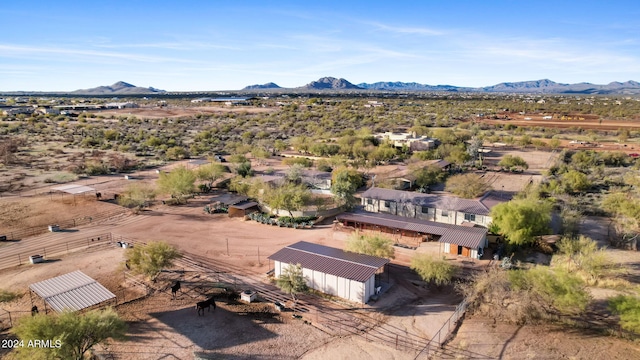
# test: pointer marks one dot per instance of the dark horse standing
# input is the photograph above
(174, 289)
(206, 304)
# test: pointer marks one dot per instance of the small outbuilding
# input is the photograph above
(242, 208)
(332, 271)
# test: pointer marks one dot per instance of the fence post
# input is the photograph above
(19, 260)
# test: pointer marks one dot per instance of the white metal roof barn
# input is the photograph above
(73, 189)
(73, 291)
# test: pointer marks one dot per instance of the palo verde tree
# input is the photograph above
(292, 282)
(210, 173)
(435, 270)
(467, 186)
(180, 183)
(151, 258)
(344, 183)
(628, 308)
(521, 220)
(513, 162)
(369, 244)
(137, 195)
(71, 334)
(289, 196)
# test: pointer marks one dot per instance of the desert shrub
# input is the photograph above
(431, 269)
(96, 168)
(298, 160)
(628, 308)
(370, 244)
(6, 295)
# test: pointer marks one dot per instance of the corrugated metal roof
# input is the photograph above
(357, 267)
(73, 189)
(73, 291)
(480, 206)
(449, 233)
(244, 205)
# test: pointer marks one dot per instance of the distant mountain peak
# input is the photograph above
(121, 87)
(331, 83)
(269, 85)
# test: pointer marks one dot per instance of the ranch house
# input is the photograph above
(438, 208)
(332, 271)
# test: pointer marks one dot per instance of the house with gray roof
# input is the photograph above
(433, 207)
(332, 271)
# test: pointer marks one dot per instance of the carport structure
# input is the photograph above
(74, 189)
(73, 291)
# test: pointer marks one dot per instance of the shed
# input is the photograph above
(242, 208)
(332, 271)
(73, 291)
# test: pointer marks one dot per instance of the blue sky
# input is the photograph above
(214, 45)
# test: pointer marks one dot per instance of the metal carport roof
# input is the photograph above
(73, 291)
(73, 189)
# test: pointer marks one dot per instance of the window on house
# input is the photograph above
(369, 201)
(387, 204)
(425, 210)
(445, 213)
(470, 217)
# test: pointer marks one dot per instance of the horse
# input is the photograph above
(206, 304)
(174, 289)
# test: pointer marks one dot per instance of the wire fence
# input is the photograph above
(64, 224)
(64, 247)
(441, 337)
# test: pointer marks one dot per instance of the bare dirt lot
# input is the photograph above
(579, 120)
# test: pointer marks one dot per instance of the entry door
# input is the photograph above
(454, 249)
(466, 252)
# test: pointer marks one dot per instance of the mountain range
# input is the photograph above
(544, 86)
(119, 88)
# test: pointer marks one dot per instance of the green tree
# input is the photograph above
(137, 195)
(467, 185)
(582, 255)
(628, 308)
(344, 183)
(151, 258)
(429, 175)
(180, 183)
(513, 162)
(521, 220)
(555, 290)
(374, 245)
(72, 333)
(292, 282)
(290, 197)
(210, 172)
(431, 269)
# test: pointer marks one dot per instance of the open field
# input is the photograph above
(182, 111)
(584, 121)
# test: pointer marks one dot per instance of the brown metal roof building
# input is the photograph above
(462, 240)
(333, 271)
